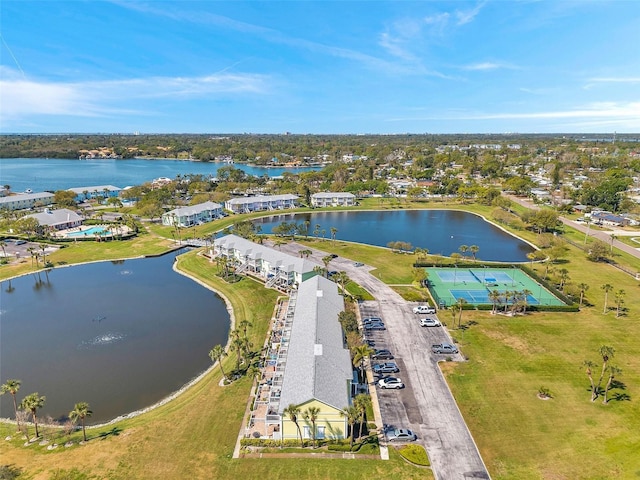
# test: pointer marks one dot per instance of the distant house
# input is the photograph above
(610, 219)
(193, 214)
(276, 269)
(318, 370)
(26, 200)
(333, 199)
(61, 219)
(99, 191)
(261, 202)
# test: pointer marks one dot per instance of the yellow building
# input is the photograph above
(318, 370)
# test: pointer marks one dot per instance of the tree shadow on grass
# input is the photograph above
(115, 431)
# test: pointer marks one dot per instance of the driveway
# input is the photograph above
(426, 405)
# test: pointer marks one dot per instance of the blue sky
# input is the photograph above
(319, 67)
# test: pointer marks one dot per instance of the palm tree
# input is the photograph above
(564, 276)
(494, 296)
(613, 238)
(619, 301)
(12, 386)
(454, 313)
(216, 355)
(351, 414)
(589, 366)
(362, 402)
(237, 346)
(583, 288)
(293, 411)
(316, 230)
(463, 249)
(531, 256)
(333, 231)
(613, 371)
(81, 411)
(607, 288)
(606, 352)
(474, 249)
(343, 279)
(311, 415)
(360, 354)
(326, 260)
(525, 295)
(461, 303)
(33, 402)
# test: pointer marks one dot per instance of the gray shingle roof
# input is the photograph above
(318, 365)
(287, 262)
(55, 217)
(195, 209)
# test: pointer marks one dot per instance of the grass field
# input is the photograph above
(509, 359)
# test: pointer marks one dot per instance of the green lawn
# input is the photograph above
(519, 435)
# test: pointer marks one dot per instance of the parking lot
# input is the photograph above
(425, 405)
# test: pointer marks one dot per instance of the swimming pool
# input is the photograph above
(98, 230)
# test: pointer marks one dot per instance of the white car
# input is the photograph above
(390, 382)
(430, 322)
(424, 309)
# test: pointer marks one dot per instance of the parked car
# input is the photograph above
(372, 320)
(358, 264)
(401, 435)
(430, 322)
(444, 348)
(424, 309)
(390, 382)
(20, 242)
(387, 367)
(333, 255)
(382, 354)
(374, 326)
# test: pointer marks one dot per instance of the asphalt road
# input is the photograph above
(425, 405)
(581, 227)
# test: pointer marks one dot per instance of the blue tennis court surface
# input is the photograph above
(479, 296)
(448, 284)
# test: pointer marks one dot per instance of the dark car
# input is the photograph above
(372, 320)
(374, 326)
(382, 354)
(333, 255)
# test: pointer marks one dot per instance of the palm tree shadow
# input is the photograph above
(115, 431)
(621, 397)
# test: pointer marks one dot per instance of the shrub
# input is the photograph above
(415, 454)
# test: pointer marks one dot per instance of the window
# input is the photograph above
(306, 432)
(320, 434)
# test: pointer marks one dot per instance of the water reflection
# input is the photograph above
(440, 231)
(119, 335)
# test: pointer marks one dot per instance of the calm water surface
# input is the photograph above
(40, 174)
(440, 231)
(119, 335)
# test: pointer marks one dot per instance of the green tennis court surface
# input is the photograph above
(475, 285)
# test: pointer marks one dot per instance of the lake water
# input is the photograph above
(119, 335)
(440, 231)
(40, 174)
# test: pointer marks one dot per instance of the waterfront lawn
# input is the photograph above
(194, 435)
(523, 437)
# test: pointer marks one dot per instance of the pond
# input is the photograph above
(440, 231)
(119, 335)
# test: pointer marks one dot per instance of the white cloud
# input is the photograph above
(485, 66)
(22, 97)
(466, 16)
(625, 115)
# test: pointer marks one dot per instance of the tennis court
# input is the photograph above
(448, 284)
